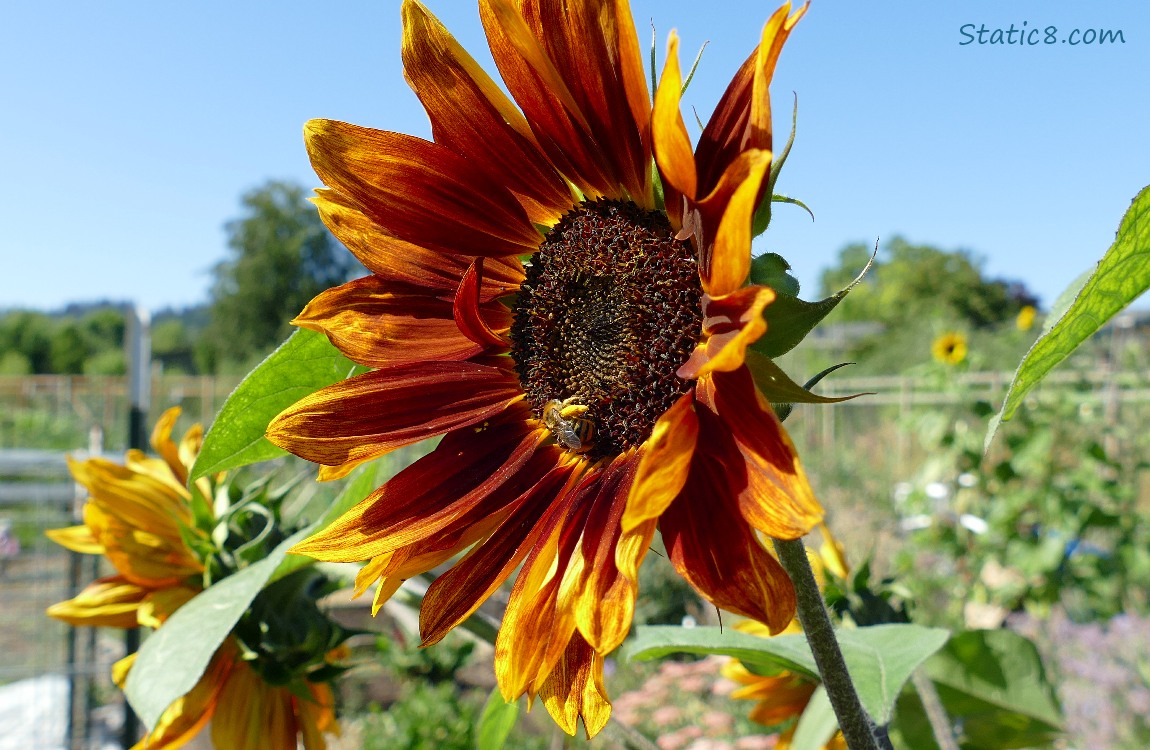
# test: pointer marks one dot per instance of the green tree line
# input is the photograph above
(280, 255)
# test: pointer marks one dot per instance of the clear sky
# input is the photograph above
(130, 129)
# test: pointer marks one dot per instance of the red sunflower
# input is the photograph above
(585, 395)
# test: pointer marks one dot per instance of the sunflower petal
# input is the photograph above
(471, 319)
(163, 444)
(587, 42)
(672, 145)
(420, 191)
(725, 215)
(111, 602)
(778, 500)
(472, 116)
(393, 259)
(372, 414)
(432, 494)
(560, 126)
(742, 118)
(605, 604)
(380, 324)
(711, 544)
(76, 538)
(574, 690)
(730, 324)
(664, 463)
(456, 594)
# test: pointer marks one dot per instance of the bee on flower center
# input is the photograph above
(571, 431)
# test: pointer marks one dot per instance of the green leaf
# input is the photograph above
(1120, 277)
(778, 387)
(173, 658)
(497, 721)
(880, 658)
(303, 364)
(768, 655)
(772, 269)
(783, 408)
(817, 724)
(790, 319)
(992, 685)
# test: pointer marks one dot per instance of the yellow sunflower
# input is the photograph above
(244, 710)
(584, 395)
(136, 515)
(1026, 318)
(949, 348)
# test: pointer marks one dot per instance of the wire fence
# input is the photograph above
(58, 678)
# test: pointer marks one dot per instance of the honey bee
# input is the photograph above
(571, 431)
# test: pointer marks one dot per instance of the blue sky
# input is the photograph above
(131, 129)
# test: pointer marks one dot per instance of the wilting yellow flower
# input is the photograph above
(136, 516)
(585, 397)
(244, 710)
(1025, 319)
(949, 348)
(784, 696)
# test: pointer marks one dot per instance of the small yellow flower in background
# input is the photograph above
(136, 516)
(584, 398)
(1026, 317)
(949, 348)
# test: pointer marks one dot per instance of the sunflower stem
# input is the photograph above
(857, 728)
(940, 723)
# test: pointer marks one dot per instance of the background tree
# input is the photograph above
(912, 295)
(281, 256)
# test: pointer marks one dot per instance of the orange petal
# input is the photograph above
(574, 690)
(76, 538)
(433, 493)
(778, 500)
(163, 444)
(472, 116)
(252, 713)
(711, 544)
(420, 191)
(730, 324)
(742, 118)
(396, 260)
(726, 216)
(456, 594)
(587, 40)
(111, 602)
(470, 319)
(672, 144)
(560, 126)
(372, 414)
(380, 324)
(605, 603)
(536, 626)
(188, 715)
(663, 464)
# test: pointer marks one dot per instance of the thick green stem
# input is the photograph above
(857, 728)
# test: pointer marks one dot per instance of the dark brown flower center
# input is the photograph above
(609, 311)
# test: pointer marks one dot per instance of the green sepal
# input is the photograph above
(778, 387)
(762, 218)
(784, 409)
(772, 269)
(790, 319)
